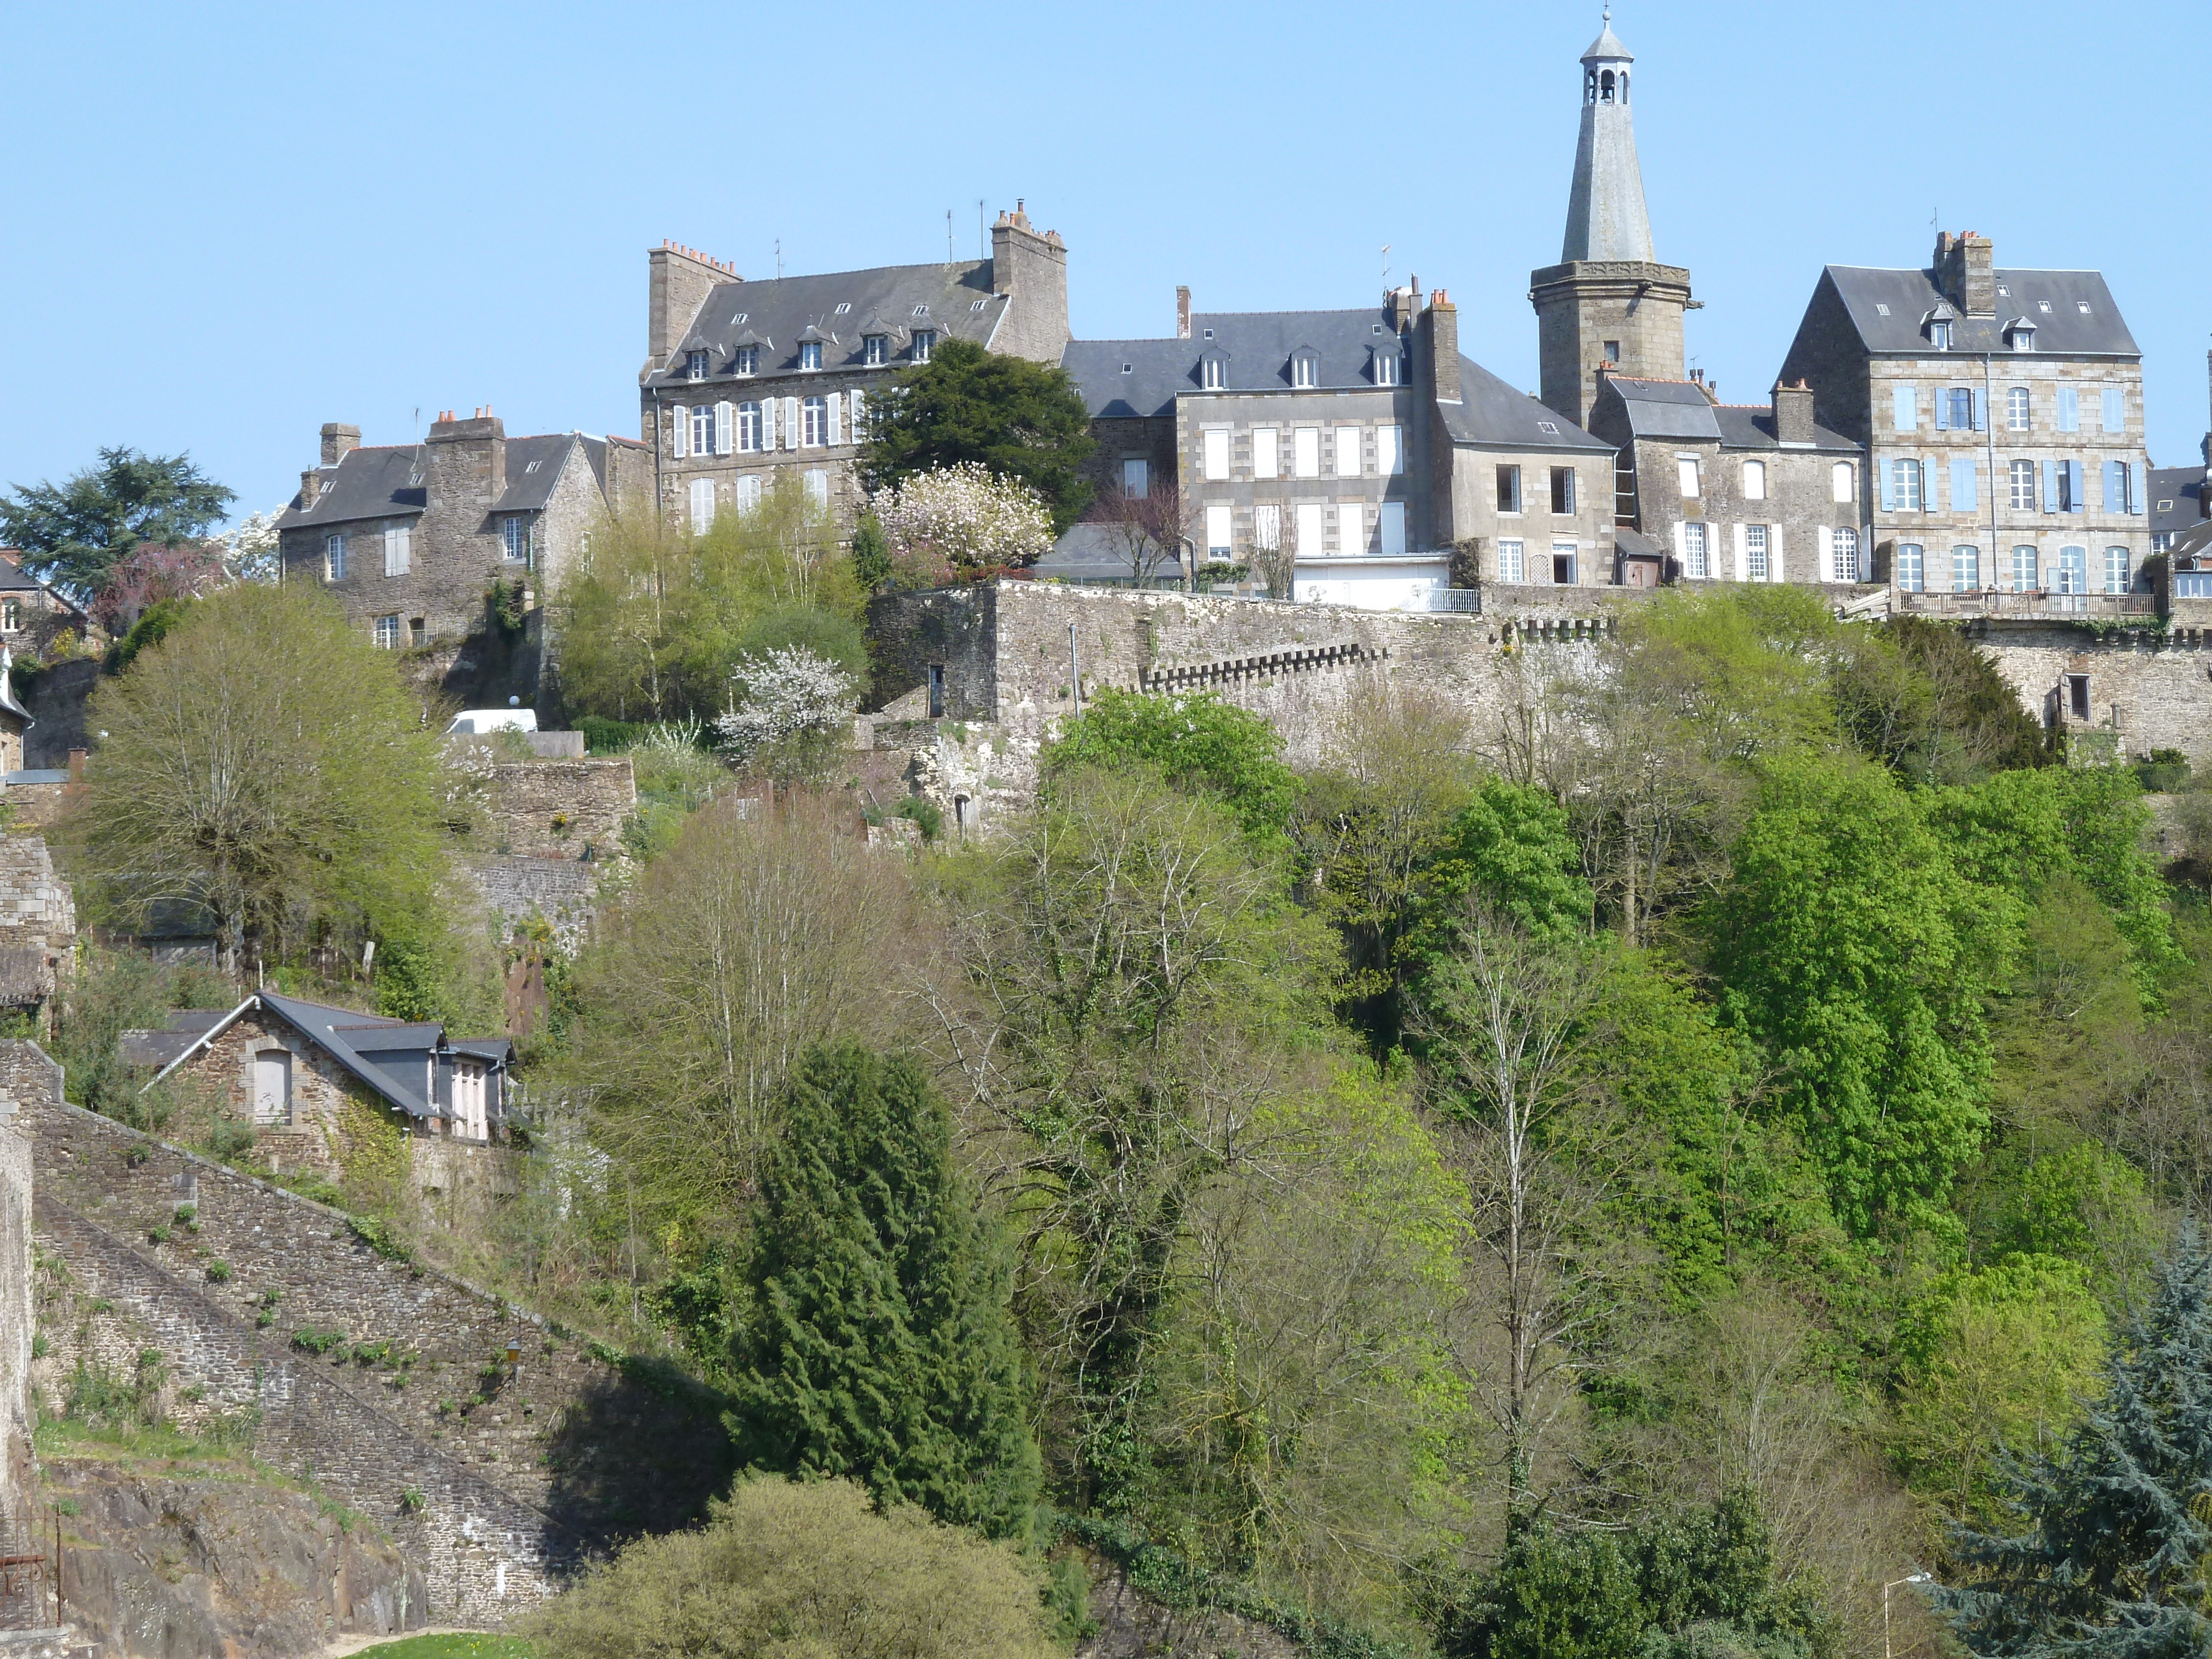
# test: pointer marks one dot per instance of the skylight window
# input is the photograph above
(1883, 309)
(2004, 291)
(1126, 367)
(2043, 304)
(1209, 334)
(533, 466)
(2084, 304)
(739, 318)
(922, 311)
(1547, 427)
(843, 306)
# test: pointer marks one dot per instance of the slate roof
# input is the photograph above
(2064, 330)
(1123, 379)
(14, 579)
(373, 482)
(533, 467)
(2194, 550)
(1667, 409)
(1491, 413)
(163, 1047)
(1751, 426)
(2184, 486)
(776, 311)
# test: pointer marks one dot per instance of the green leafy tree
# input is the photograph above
(1921, 698)
(1018, 418)
(2109, 1560)
(1196, 740)
(1857, 958)
(875, 1342)
(75, 532)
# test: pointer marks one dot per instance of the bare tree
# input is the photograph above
(1148, 530)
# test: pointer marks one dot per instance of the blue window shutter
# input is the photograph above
(2069, 408)
(1943, 409)
(1904, 415)
(2051, 486)
(2074, 494)
(2116, 410)
(2134, 495)
(1981, 411)
(1964, 495)
(2115, 488)
(1888, 490)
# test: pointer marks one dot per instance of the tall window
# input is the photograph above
(1305, 451)
(2016, 405)
(748, 359)
(1214, 453)
(2069, 408)
(1136, 477)
(1846, 556)
(749, 492)
(1510, 566)
(1904, 486)
(1210, 373)
(874, 350)
(2073, 569)
(1966, 568)
(2115, 401)
(817, 487)
(1686, 470)
(1267, 527)
(2069, 487)
(1563, 490)
(516, 531)
(1960, 400)
(1386, 368)
(1509, 489)
(695, 365)
(1613, 351)
(1843, 481)
(1754, 481)
(1220, 530)
(702, 430)
(748, 429)
(857, 401)
(1939, 336)
(1347, 452)
(1304, 371)
(1267, 458)
(702, 505)
(1563, 563)
(2026, 570)
(1911, 570)
(1697, 558)
(925, 341)
(813, 422)
(387, 633)
(1308, 525)
(2116, 573)
(810, 354)
(1390, 452)
(2023, 486)
(11, 616)
(1754, 553)
(1390, 527)
(334, 556)
(1351, 527)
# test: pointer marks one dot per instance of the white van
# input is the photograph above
(475, 722)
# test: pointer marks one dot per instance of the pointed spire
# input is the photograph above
(1607, 218)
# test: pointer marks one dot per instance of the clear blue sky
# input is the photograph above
(228, 224)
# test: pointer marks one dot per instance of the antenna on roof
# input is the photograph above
(948, 236)
(982, 242)
(779, 259)
(1386, 267)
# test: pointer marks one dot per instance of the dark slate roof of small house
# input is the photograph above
(492, 1049)
(2064, 330)
(2182, 488)
(776, 311)
(595, 452)
(378, 482)
(1667, 409)
(1122, 379)
(164, 1046)
(1491, 414)
(1635, 544)
(2194, 550)
(1751, 426)
(533, 467)
(14, 579)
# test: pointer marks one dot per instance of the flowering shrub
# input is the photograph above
(956, 521)
(788, 693)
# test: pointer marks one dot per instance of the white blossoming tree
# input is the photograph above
(249, 548)
(784, 711)
(947, 524)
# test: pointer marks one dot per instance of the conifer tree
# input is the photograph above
(875, 1342)
(2109, 1565)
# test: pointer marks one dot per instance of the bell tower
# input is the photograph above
(1608, 305)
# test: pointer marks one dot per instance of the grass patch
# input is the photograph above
(452, 1647)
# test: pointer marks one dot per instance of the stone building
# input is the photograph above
(2003, 419)
(747, 382)
(34, 614)
(294, 1068)
(38, 928)
(410, 538)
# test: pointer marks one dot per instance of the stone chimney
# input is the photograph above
(678, 282)
(1442, 341)
(1793, 413)
(311, 489)
(1965, 272)
(1030, 270)
(339, 441)
(465, 465)
(1182, 312)
(1402, 305)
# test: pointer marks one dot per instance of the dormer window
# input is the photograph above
(747, 360)
(925, 341)
(1386, 366)
(1212, 374)
(1939, 336)
(695, 365)
(2020, 335)
(1305, 368)
(874, 350)
(810, 355)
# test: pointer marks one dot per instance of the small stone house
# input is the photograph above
(34, 614)
(294, 1068)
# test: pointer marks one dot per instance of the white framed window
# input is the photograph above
(2022, 336)
(1266, 459)
(1966, 567)
(1267, 527)
(1845, 555)
(1136, 477)
(1754, 552)
(702, 430)
(1912, 567)
(2018, 402)
(334, 558)
(813, 422)
(1220, 530)
(1843, 481)
(1213, 453)
(1904, 486)
(1386, 368)
(749, 493)
(1939, 335)
(515, 533)
(1904, 408)
(810, 355)
(1564, 564)
(1305, 452)
(817, 487)
(387, 633)
(11, 616)
(748, 429)
(874, 351)
(925, 341)
(1306, 371)
(2073, 569)
(1686, 470)
(2026, 570)
(1307, 521)
(695, 365)
(1563, 492)
(747, 362)
(2021, 475)
(1510, 565)
(2118, 574)
(702, 505)
(1509, 489)
(1390, 526)
(1351, 528)
(1211, 373)
(1696, 552)
(858, 399)
(1754, 481)
(1347, 452)
(1389, 451)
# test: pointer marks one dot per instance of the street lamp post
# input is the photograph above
(1910, 1578)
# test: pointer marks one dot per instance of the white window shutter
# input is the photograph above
(1828, 556)
(860, 416)
(1742, 552)
(406, 534)
(680, 448)
(1774, 553)
(791, 423)
(725, 423)
(837, 417)
(1681, 548)
(390, 551)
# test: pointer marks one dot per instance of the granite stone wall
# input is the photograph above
(554, 808)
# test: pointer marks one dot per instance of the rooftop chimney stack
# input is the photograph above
(339, 441)
(1965, 272)
(1793, 413)
(1182, 312)
(1441, 320)
(1030, 271)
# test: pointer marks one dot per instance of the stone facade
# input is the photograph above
(1594, 317)
(1484, 480)
(37, 925)
(27, 1076)
(312, 1139)
(556, 809)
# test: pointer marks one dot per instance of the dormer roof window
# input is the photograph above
(1214, 370)
(695, 363)
(1387, 362)
(2020, 334)
(1936, 324)
(745, 361)
(1305, 367)
(925, 341)
(874, 349)
(810, 355)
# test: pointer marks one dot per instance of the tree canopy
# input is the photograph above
(1018, 418)
(76, 532)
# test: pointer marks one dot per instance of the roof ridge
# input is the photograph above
(857, 270)
(1309, 311)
